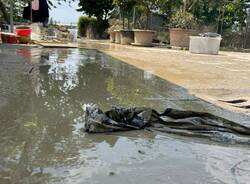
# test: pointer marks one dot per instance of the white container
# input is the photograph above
(73, 35)
(204, 45)
(36, 31)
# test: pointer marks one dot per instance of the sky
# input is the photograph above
(65, 14)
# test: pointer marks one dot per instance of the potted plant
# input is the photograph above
(125, 8)
(144, 37)
(183, 26)
(117, 34)
(112, 36)
(114, 30)
(114, 26)
(209, 14)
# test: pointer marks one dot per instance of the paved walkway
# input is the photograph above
(211, 77)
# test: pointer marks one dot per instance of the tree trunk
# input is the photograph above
(134, 13)
(11, 17)
(123, 19)
(184, 5)
(148, 19)
(222, 22)
(129, 18)
(4, 12)
(169, 11)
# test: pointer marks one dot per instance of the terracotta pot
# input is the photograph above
(127, 37)
(3, 38)
(180, 37)
(9, 38)
(143, 37)
(112, 37)
(117, 37)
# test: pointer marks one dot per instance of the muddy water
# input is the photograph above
(42, 92)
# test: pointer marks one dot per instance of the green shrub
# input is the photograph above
(183, 20)
(114, 24)
(83, 23)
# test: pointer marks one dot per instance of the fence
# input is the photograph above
(233, 38)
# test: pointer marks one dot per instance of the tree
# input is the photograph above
(125, 7)
(147, 7)
(59, 2)
(226, 13)
(4, 12)
(51, 22)
(98, 8)
(207, 12)
(235, 14)
(18, 8)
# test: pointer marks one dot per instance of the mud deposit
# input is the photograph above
(41, 117)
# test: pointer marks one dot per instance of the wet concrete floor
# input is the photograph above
(215, 78)
(42, 92)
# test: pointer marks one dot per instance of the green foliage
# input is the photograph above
(59, 2)
(147, 5)
(183, 20)
(235, 14)
(167, 7)
(115, 24)
(83, 23)
(207, 12)
(231, 13)
(125, 9)
(125, 5)
(210, 12)
(145, 8)
(98, 8)
(17, 10)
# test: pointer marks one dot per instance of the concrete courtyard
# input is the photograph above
(214, 78)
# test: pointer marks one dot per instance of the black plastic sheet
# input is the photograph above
(186, 123)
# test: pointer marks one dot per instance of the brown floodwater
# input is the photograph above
(42, 94)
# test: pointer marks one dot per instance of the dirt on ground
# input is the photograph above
(220, 79)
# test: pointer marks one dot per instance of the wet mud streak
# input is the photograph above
(237, 101)
(243, 107)
(234, 170)
(31, 69)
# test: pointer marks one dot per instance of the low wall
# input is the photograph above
(236, 40)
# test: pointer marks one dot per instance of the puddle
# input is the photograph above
(41, 119)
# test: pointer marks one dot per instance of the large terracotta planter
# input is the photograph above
(143, 37)
(117, 37)
(112, 37)
(180, 37)
(9, 38)
(127, 37)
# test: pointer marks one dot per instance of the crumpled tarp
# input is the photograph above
(187, 123)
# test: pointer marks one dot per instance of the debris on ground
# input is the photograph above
(187, 123)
